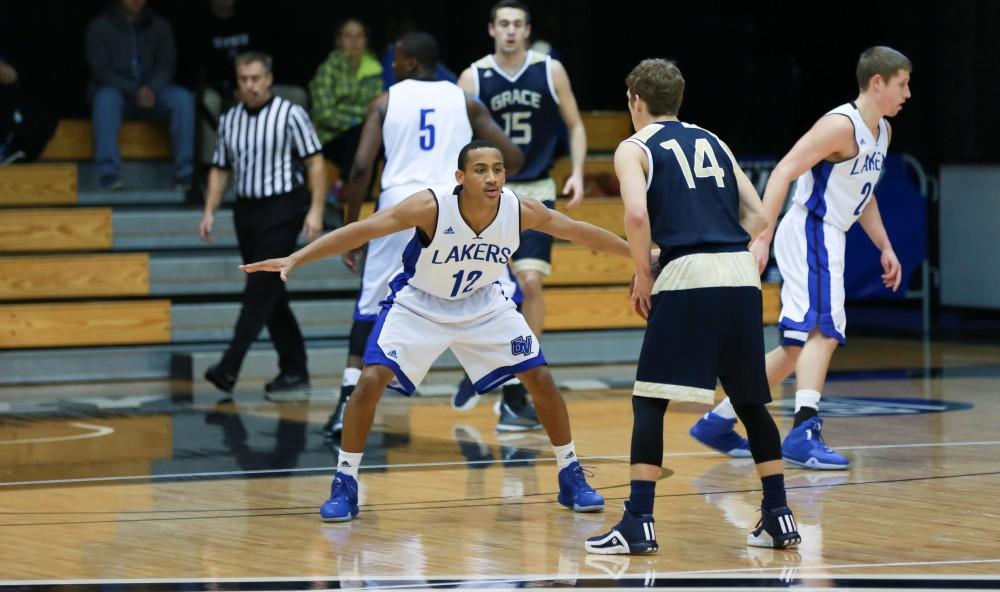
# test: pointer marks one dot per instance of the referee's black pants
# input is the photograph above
(267, 228)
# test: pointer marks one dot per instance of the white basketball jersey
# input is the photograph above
(455, 277)
(838, 192)
(426, 125)
(458, 262)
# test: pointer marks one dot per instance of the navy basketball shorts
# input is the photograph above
(535, 252)
(698, 334)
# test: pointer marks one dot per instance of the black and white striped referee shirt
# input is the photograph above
(265, 147)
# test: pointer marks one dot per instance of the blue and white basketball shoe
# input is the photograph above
(575, 492)
(804, 447)
(465, 397)
(343, 503)
(717, 433)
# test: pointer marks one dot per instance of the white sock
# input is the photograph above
(725, 409)
(348, 463)
(806, 398)
(351, 376)
(565, 455)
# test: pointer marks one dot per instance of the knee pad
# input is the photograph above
(360, 330)
(762, 432)
(647, 430)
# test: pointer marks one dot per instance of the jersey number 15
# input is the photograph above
(517, 126)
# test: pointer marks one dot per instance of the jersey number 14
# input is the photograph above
(702, 152)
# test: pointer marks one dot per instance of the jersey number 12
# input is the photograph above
(473, 276)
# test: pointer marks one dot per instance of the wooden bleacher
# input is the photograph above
(32, 238)
(137, 140)
(38, 265)
(38, 185)
(55, 230)
(86, 323)
(74, 276)
(606, 129)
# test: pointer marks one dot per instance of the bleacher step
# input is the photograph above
(137, 175)
(210, 273)
(147, 230)
(97, 197)
(214, 322)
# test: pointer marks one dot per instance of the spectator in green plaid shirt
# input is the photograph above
(343, 86)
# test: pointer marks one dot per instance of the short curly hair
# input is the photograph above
(660, 84)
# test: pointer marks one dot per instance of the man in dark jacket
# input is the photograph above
(131, 54)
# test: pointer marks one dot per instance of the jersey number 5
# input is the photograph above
(702, 151)
(426, 130)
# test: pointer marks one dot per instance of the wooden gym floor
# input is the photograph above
(102, 486)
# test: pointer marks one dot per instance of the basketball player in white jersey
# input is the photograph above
(423, 123)
(837, 165)
(530, 96)
(447, 295)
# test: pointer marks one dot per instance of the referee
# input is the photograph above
(267, 142)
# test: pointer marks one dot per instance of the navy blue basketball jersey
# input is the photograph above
(692, 198)
(525, 106)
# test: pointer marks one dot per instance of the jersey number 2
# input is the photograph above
(426, 130)
(866, 192)
(473, 276)
(702, 151)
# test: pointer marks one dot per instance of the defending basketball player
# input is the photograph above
(447, 296)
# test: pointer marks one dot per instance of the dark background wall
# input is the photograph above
(758, 73)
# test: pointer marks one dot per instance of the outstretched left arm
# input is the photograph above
(537, 216)
(871, 221)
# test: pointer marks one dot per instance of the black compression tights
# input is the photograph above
(765, 441)
(647, 431)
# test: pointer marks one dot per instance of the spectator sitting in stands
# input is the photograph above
(131, 54)
(343, 86)
(224, 33)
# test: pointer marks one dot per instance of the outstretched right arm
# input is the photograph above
(420, 210)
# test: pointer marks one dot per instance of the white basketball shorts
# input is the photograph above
(491, 348)
(810, 256)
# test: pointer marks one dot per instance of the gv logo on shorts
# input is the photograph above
(520, 346)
